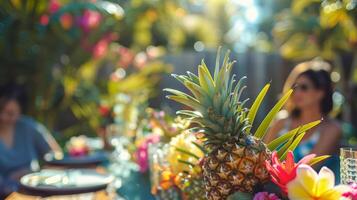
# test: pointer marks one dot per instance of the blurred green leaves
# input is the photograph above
(313, 28)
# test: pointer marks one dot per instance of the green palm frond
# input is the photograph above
(318, 159)
(256, 104)
(263, 127)
(282, 139)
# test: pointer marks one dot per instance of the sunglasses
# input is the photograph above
(302, 87)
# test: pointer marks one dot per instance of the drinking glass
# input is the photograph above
(348, 165)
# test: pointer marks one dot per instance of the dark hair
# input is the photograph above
(13, 92)
(321, 80)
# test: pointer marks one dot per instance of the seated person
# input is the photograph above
(311, 100)
(22, 141)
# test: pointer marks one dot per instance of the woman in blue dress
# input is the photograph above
(311, 100)
(23, 141)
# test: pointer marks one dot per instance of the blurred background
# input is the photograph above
(87, 63)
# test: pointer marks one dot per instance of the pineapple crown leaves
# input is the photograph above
(219, 110)
(215, 101)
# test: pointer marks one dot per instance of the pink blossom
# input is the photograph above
(100, 48)
(282, 173)
(142, 158)
(141, 154)
(352, 193)
(89, 20)
(126, 57)
(44, 20)
(153, 138)
(265, 196)
(54, 6)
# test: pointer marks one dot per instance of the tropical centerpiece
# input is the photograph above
(236, 160)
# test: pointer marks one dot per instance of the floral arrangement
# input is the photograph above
(77, 146)
(157, 127)
(296, 180)
(236, 163)
(300, 181)
(180, 173)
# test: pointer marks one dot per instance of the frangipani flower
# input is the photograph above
(283, 172)
(308, 185)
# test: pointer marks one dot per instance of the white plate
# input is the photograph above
(75, 181)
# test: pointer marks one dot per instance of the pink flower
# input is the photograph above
(54, 6)
(152, 139)
(141, 154)
(126, 57)
(265, 196)
(101, 47)
(142, 158)
(283, 172)
(352, 193)
(44, 20)
(89, 20)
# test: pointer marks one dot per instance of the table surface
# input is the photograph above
(102, 195)
(134, 186)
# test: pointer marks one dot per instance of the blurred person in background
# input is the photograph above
(23, 141)
(311, 101)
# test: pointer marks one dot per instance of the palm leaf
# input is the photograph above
(282, 150)
(318, 159)
(293, 145)
(256, 104)
(280, 140)
(273, 145)
(262, 129)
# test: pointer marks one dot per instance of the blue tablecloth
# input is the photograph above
(136, 187)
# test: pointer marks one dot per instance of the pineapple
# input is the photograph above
(235, 158)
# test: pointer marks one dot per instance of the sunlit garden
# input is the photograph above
(178, 99)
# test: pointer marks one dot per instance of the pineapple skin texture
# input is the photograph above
(235, 166)
(192, 187)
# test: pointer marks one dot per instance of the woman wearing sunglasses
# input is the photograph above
(311, 100)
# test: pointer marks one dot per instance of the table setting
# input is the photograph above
(189, 156)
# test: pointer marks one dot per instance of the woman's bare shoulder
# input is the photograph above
(332, 125)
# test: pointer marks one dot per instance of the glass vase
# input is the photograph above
(348, 165)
